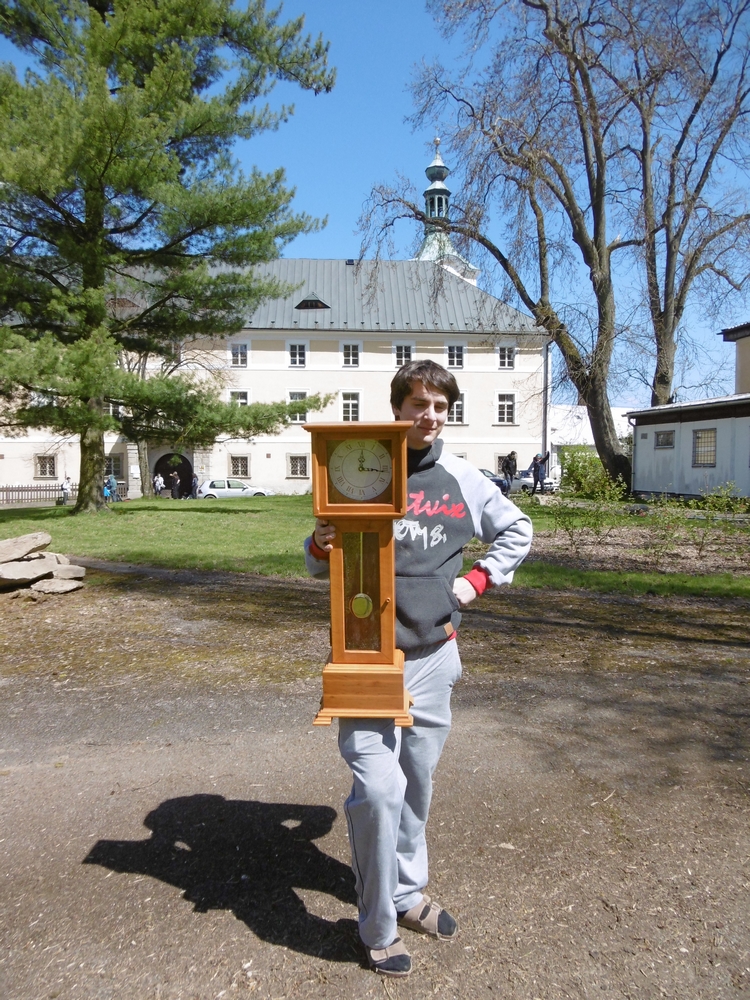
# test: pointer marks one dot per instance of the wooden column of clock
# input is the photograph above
(359, 484)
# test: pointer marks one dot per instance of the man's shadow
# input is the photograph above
(246, 857)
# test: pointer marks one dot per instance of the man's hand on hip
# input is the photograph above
(464, 591)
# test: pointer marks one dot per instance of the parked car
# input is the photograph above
(218, 489)
(523, 482)
(499, 481)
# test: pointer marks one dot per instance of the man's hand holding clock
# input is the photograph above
(324, 534)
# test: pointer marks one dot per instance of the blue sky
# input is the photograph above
(338, 145)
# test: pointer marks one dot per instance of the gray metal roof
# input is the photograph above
(403, 297)
(733, 333)
(669, 409)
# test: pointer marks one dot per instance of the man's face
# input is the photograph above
(428, 409)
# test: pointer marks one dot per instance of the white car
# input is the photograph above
(218, 489)
(523, 482)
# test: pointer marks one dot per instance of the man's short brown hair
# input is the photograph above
(429, 373)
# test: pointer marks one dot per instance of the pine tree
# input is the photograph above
(126, 225)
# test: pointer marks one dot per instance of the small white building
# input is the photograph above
(570, 425)
(687, 449)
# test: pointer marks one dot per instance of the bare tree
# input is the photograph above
(590, 143)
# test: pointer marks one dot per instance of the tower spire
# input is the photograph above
(437, 196)
(437, 245)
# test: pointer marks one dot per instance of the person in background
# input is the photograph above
(510, 466)
(65, 486)
(539, 470)
(194, 487)
(112, 484)
(158, 484)
(175, 486)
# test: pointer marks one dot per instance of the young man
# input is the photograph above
(449, 502)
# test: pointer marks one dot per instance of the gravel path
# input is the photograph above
(172, 827)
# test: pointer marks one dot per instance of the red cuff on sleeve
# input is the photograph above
(479, 578)
(318, 553)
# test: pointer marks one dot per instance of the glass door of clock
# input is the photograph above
(361, 553)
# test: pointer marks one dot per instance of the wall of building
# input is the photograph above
(742, 366)
(658, 470)
(38, 457)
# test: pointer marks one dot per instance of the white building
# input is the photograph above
(345, 330)
(687, 449)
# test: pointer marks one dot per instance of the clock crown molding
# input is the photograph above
(360, 428)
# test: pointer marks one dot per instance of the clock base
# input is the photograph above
(365, 691)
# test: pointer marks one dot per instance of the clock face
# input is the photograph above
(360, 469)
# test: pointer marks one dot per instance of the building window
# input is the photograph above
(499, 459)
(239, 355)
(350, 406)
(664, 439)
(455, 356)
(45, 466)
(296, 397)
(298, 466)
(240, 398)
(456, 412)
(297, 355)
(506, 357)
(239, 465)
(704, 448)
(351, 355)
(506, 408)
(403, 354)
(113, 466)
(115, 410)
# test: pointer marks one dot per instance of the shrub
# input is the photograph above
(583, 475)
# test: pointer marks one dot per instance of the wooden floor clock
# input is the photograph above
(359, 484)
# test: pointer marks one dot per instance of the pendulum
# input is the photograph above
(361, 604)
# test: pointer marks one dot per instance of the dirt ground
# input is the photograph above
(172, 829)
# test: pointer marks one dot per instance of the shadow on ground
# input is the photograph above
(247, 857)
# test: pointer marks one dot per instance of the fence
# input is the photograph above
(46, 493)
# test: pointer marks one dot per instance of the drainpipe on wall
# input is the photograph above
(634, 425)
(545, 403)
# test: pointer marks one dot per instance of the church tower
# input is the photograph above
(437, 245)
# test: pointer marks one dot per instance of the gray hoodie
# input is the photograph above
(449, 503)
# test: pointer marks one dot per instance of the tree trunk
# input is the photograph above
(147, 488)
(589, 376)
(614, 459)
(661, 387)
(90, 495)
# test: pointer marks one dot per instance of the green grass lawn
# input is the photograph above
(257, 535)
(265, 535)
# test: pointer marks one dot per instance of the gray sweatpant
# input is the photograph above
(390, 799)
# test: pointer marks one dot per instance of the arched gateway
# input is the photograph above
(168, 464)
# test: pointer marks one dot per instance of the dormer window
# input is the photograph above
(312, 302)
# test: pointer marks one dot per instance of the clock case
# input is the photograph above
(364, 678)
